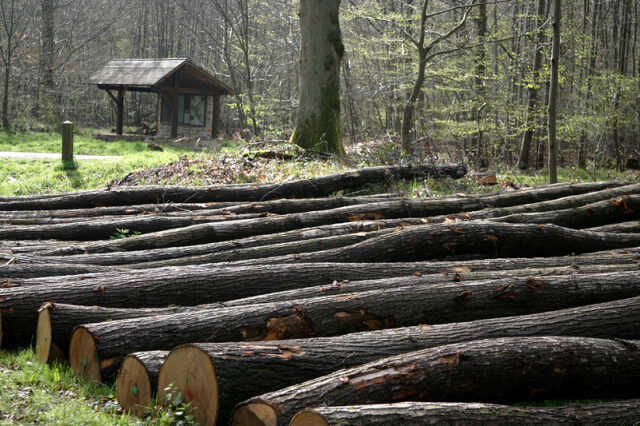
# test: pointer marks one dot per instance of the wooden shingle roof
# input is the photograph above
(152, 73)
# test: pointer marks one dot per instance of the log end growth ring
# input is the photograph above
(255, 414)
(133, 389)
(190, 371)
(308, 418)
(83, 355)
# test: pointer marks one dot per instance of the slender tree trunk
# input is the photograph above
(532, 89)
(553, 94)
(321, 51)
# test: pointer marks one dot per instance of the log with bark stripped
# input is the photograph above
(96, 349)
(504, 369)
(295, 361)
(469, 414)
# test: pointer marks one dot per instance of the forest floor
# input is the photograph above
(32, 393)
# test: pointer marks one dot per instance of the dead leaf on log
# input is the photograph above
(456, 229)
(622, 202)
(419, 274)
(491, 237)
(504, 292)
(425, 327)
(99, 289)
(9, 284)
(289, 327)
(462, 269)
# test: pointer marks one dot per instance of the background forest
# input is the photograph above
(481, 94)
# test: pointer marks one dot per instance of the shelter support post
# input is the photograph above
(215, 116)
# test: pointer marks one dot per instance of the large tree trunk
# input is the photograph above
(138, 380)
(318, 125)
(481, 370)
(95, 349)
(268, 366)
(469, 414)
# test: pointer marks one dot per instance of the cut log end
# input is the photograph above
(46, 349)
(133, 389)
(255, 414)
(83, 355)
(189, 371)
(308, 418)
(43, 335)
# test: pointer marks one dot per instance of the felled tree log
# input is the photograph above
(140, 256)
(103, 229)
(389, 209)
(622, 228)
(563, 203)
(619, 209)
(304, 246)
(12, 270)
(439, 241)
(481, 370)
(306, 188)
(469, 414)
(295, 361)
(156, 208)
(138, 380)
(97, 348)
(57, 320)
(193, 285)
(455, 274)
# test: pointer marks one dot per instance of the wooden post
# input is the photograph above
(67, 141)
(174, 113)
(120, 104)
(215, 116)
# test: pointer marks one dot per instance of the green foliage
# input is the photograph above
(175, 410)
(123, 233)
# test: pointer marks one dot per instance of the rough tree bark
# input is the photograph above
(97, 348)
(321, 50)
(481, 370)
(295, 361)
(469, 414)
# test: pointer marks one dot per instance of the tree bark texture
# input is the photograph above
(469, 414)
(632, 227)
(268, 366)
(504, 369)
(439, 241)
(335, 315)
(318, 125)
(73, 252)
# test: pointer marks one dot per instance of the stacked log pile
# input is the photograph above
(271, 304)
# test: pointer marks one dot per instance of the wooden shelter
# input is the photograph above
(188, 94)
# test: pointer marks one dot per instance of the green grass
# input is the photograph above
(36, 393)
(22, 177)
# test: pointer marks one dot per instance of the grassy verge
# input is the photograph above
(21, 177)
(36, 393)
